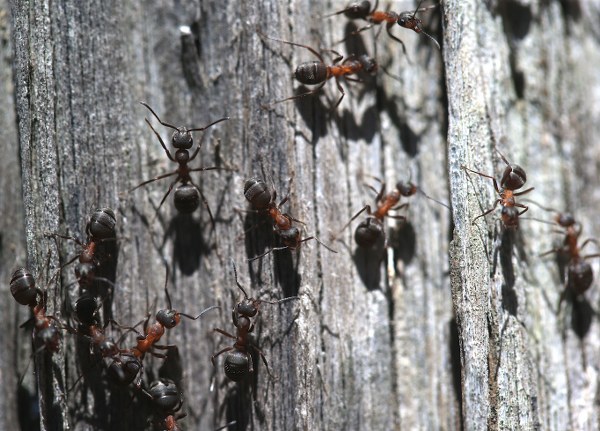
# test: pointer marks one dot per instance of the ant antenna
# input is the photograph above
(166, 290)
(158, 118)
(236, 280)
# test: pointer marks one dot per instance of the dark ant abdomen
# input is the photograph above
(312, 72)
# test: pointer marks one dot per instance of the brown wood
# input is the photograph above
(430, 334)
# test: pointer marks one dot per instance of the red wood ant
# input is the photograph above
(258, 194)
(579, 276)
(100, 227)
(409, 20)
(317, 72)
(371, 230)
(238, 363)
(24, 291)
(187, 194)
(513, 178)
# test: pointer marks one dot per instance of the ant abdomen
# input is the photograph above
(368, 232)
(86, 309)
(290, 237)
(579, 276)
(236, 365)
(122, 369)
(311, 72)
(514, 177)
(358, 10)
(22, 287)
(187, 198)
(102, 224)
(165, 395)
(257, 193)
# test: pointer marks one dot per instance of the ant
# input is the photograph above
(369, 231)
(187, 194)
(579, 272)
(165, 319)
(258, 194)
(317, 72)
(24, 291)
(100, 227)
(409, 20)
(513, 178)
(238, 363)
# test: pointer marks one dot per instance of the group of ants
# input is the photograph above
(124, 366)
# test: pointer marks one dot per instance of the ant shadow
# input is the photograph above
(189, 245)
(510, 240)
(582, 313)
(28, 413)
(403, 241)
(455, 362)
(368, 264)
(235, 404)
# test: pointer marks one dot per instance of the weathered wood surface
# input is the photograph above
(372, 343)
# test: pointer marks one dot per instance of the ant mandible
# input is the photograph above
(317, 72)
(513, 178)
(187, 194)
(369, 231)
(409, 20)
(258, 194)
(238, 363)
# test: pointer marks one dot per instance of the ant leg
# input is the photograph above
(210, 214)
(339, 57)
(222, 332)
(295, 97)
(587, 241)
(483, 175)
(159, 138)
(162, 201)
(264, 36)
(554, 250)
(264, 359)
(487, 212)
(226, 349)
(366, 207)
(399, 207)
(388, 28)
(341, 89)
(522, 206)
(524, 191)
(160, 177)
(267, 252)
(319, 241)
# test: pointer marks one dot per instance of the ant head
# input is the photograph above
(257, 193)
(182, 139)
(168, 318)
(369, 64)
(406, 189)
(510, 217)
(236, 365)
(123, 368)
(187, 198)
(410, 21)
(248, 307)
(311, 72)
(102, 224)
(358, 10)
(86, 310)
(22, 287)
(579, 276)
(565, 219)
(368, 232)
(165, 395)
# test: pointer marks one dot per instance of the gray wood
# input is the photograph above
(423, 336)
